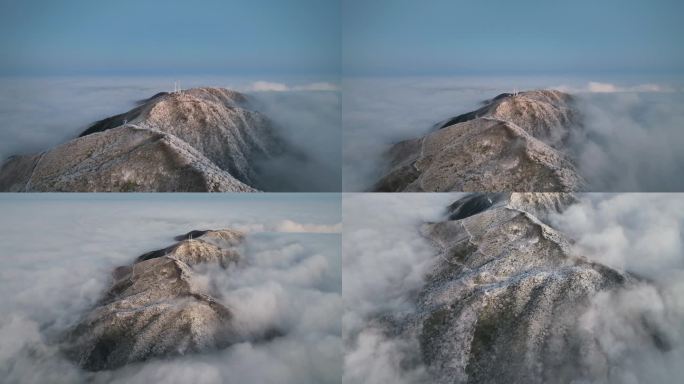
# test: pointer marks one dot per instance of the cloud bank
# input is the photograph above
(292, 226)
(642, 234)
(600, 87)
(268, 86)
(51, 274)
(384, 262)
(310, 122)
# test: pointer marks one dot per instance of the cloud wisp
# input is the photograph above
(309, 121)
(642, 234)
(385, 260)
(602, 87)
(269, 86)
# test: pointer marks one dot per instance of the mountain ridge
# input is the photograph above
(507, 295)
(515, 142)
(201, 139)
(158, 307)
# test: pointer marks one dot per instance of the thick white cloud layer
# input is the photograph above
(57, 253)
(601, 87)
(268, 86)
(637, 232)
(642, 234)
(384, 261)
(631, 141)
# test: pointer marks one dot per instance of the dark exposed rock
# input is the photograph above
(472, 205)
(459, 119)
(500, 96)
(115, 121)
(190, 235)
(475, 114)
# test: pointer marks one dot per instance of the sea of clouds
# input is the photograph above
(631, 138)
(58, 251)
(641, 234)
(37, 113)
(384, 262)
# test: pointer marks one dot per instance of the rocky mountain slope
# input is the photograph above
(158, 307)
(504, 301)
(202, 139)
(514, 142)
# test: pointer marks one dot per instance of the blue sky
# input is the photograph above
(508, 37)
(302, 37)
(289, 37)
